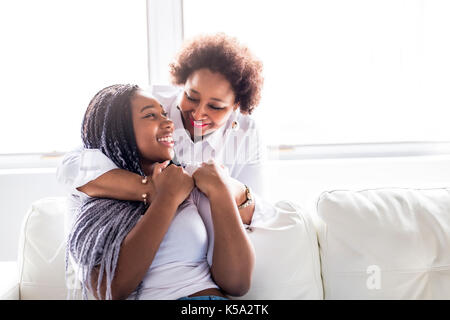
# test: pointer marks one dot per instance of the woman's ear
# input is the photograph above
(236, 106)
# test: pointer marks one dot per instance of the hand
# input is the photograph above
(172, 183)
(211, 177)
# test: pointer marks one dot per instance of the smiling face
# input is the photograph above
(152, 129)
(207, 102)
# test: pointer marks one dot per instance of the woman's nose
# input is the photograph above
(167, 123)
(198, 113)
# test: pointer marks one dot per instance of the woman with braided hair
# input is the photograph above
(217, 85)
(158, 249)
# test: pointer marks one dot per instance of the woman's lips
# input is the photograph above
(198, 124)
(167, 144)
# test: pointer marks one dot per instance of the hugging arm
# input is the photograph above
(91, 172)
(117, 184)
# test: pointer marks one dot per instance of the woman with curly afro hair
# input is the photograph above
(225, 56)
(217, 84)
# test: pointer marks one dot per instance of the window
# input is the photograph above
(335, 71)
(342, 71)
(55, 56)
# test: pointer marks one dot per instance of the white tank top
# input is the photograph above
(181, 266)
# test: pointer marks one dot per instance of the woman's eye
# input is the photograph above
(149, 115)
(164, 114)
(214, 107)
(190, 98)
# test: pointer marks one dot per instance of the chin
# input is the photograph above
(169, 157)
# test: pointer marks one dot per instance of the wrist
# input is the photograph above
(248, 199)
(218, 189)
(241, 195)
(165, 199)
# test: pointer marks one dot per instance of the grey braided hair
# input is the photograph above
(101, 225)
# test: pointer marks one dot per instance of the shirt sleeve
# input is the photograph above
(251, 172)
(264, 211)
(252, 156)
(81, 166)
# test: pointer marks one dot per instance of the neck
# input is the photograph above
(147, 167)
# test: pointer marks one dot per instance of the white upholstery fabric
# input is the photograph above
(41, 257)
(9, 281)
(287, 257)
(287, 263)
(385, 243)
(374, 244)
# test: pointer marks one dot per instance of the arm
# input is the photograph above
(233, 258)
(139, 249)
(117, 184)
(93, 173)
(140, 246)
(239, 195)
(249, 171)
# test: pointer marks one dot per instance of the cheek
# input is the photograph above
(220, 118)
(145, 138)
(186, 105)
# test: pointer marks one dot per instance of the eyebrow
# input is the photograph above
(216, 99)
(152, 106)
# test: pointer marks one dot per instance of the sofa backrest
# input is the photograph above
(385, 243)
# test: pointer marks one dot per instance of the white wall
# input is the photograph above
(296, 180)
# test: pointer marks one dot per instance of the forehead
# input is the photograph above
(142, 99)
(213, 84)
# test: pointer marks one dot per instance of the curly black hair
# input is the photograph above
(223, 54)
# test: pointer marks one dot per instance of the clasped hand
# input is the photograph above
(175, 183)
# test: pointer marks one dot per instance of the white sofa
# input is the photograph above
(389, 243)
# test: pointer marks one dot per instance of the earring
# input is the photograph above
(235, 125)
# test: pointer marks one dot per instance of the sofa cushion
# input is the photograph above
(9, 281)
(287, 262)
(41, 256)
(385, 243)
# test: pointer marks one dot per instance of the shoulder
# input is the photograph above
(247, 125)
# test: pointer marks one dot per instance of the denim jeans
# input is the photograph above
(204, 298)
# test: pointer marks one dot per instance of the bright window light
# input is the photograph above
(342, 71)
(55, 55)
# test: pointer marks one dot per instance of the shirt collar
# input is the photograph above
(216, 139)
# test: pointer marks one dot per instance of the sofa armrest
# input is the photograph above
(9, 281)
